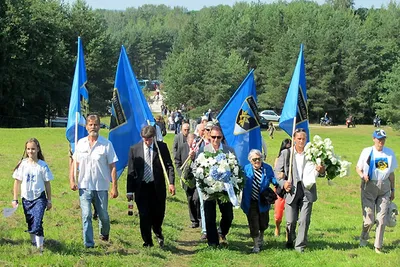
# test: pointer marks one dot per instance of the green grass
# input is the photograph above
(333, 236)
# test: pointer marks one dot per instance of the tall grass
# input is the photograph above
(333, 236)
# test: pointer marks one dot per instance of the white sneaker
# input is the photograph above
(363, 243)
(378, 250)
(256, 250)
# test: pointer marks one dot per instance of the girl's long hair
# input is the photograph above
(284, 144)
(24, 155)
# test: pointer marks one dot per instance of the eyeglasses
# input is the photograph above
(214, 136)
(256, 159)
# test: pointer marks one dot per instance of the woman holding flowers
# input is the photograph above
(299, 198)
(259, 176)
(216, 193)
(376, 167)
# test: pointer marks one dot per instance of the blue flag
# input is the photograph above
(130, 112)
(78, 104)
(240, 121)
(296, 100)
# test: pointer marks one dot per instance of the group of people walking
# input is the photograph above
(151, 173)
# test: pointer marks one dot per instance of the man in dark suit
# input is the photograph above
(180, 138)
(181, 155)
(146, 183)
(211, 205)
(299, 198)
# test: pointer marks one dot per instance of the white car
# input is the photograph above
(269, 115)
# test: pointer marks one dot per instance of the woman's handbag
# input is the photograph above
(268, 196)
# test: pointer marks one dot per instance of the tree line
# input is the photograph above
(351, 55)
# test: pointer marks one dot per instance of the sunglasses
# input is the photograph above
(300, 130)
(214, 136)
(208, 130)
(256, 159)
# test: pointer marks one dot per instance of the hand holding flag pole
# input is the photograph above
(78, 108)
(188, 158)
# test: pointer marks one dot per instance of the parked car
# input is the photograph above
(144, 84)
(263, 123)
(269, 115)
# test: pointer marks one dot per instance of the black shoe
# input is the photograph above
(104, 237)
(147, 245)
(160, 242)
(289, 245)
(195, 225)
(213, 246)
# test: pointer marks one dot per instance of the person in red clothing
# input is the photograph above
(279, 206)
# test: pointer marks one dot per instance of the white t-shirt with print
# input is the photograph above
(32, 176)
(383, 163)
(94, 163)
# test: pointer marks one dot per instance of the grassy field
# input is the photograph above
(333, 236)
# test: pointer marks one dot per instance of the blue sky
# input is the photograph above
(196, 5)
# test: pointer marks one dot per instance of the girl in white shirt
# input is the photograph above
(33, 176)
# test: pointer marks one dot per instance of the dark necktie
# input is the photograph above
(147, 166)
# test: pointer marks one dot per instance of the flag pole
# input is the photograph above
(196, 147)
(160, 157)
(290, 178)
(76, 141)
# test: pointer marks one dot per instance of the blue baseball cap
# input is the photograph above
(379, 134)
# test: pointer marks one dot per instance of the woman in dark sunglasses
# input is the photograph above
(226, 208)
(259, 175)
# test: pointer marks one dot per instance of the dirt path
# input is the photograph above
(188, 244)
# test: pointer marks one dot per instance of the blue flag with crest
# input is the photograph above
(240, 121)
(130, 111)
(79, 101)
(296, 100)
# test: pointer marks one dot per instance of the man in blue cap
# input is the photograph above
(376, 167)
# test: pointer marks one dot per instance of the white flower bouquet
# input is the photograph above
(218, 174)
(321, 153)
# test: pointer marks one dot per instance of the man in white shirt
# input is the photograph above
(299, 198)
(95, 159)
(376, 167)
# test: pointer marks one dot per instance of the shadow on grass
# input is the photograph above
(6, 241)
(320, 245)
(176, 200)
(184, 247)
(239, 226)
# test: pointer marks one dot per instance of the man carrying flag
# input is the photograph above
(92, 166)
(293, 164)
